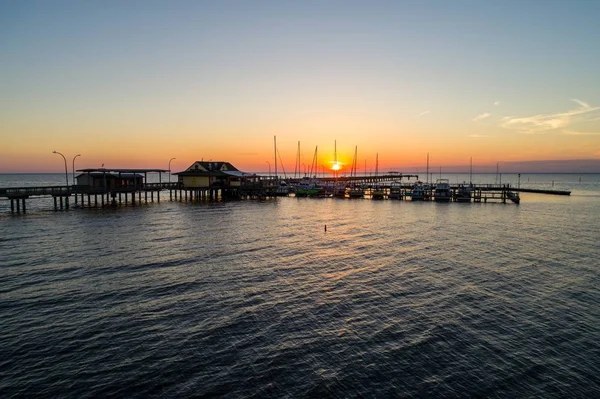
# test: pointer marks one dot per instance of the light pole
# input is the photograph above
(78, 155)
(170, 169)
(66, 173)
(269, 168)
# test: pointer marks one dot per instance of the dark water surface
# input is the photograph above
(255, 299)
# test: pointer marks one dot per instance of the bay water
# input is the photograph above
(257, 299)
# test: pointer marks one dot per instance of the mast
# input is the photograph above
(354, 162)
(297, 166)
(335, 157)
(313, 166)
(427, 168)
(471, 172)
(275, 154)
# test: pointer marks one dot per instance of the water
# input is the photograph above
(254, 298)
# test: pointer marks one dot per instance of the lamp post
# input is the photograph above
(78, 155)
(66, 173)
(170, 169)
(269, 168)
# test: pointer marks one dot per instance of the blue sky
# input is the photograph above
(450, 77)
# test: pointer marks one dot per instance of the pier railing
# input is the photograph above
(65, 191)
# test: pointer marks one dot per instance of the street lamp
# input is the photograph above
(66, 173)
(78, 155)
(170, 169)
(269, 168)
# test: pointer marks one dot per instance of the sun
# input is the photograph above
(336, 166)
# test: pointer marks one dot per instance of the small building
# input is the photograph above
(110, 180)
(215, 175)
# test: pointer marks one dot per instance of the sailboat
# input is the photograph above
(339, 188)
(464, 191)
(282, 189)
(377, 192)
(356, 191)
(308, 186)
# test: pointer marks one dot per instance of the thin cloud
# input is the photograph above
(576, 133)
(583, 104)
(479, 136)
(423, 113)
(482, 116)
(496, 102)
(539, 124)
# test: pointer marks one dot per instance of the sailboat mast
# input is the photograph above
(471, 172)
(275, 154)
(427, 167)
(297, 168)
(354, 163)
(335, 157)
(313, 166)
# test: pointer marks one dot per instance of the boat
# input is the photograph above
(514, 197)
(283, 189)
(377, 192)
(339, 190)
(442, 192)
(309, 188)
(418, 192)
(395, 191)
(356, 190)
(463, 193)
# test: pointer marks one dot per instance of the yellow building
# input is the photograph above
(216, 175)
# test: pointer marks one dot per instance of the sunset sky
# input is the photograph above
(136, 83)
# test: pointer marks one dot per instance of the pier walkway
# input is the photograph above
(132, 192)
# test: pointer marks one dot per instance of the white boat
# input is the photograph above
(395, 191)
(283, 189)
(418, 192)
(442, 193)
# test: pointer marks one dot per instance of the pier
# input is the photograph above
(125, 189)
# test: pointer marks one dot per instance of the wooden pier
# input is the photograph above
(130, 192)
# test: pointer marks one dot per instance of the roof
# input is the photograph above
(212, 168)
(113, 170)
(238, 173)
(112, 174)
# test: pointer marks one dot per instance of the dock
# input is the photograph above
(128, 187)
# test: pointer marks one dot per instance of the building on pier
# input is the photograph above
(211, 174)
(110, 180)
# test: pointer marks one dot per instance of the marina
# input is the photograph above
(215, 181)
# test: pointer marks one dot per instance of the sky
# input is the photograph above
(132, 84)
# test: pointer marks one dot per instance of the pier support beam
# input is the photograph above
(12, 205)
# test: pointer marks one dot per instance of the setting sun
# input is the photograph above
(336, 166)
